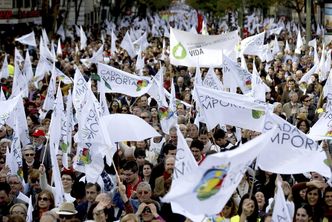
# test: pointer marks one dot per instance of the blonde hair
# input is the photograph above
(129, 218)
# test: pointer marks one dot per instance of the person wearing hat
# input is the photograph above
(66, 211)
(39, 140)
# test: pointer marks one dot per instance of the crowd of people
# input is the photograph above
(145, 168)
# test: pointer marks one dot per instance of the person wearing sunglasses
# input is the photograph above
(45, 202)
(147, 212)
(143, 194)
(29, 161)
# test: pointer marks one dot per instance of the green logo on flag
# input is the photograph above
(256, 114)
(179, 52)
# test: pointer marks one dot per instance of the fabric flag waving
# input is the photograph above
(290, 148)
(322, 128)
(235, 76)
(214, 181)
(83, 39)
(211, 81)
(299, 43)
(4, 69)
(168, 116)
(253, 45)
(128, 45)
(280, 210)
(185, 164)
(218, 107)
(119, 81)
(28, 39)
(80, 89)
(91, 144)
(190, 49)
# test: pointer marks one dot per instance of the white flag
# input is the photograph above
(119, 81)
(59, 49)
(27, 68)
(168, 116)
(29, 217)
(49, 100)
(322, 128)
(83, 39)
(280, 210)
(102, 99)
(290, 148)
(4, 69)
(235, 76)
(299, 43)
(91, 147)
(54, 143)
(253, 45)
(28, 39)
(190, 49)
(214, 181)
(128, 45)
(211, 80)
(80, 90)
(45, 37)
(218, 107)
(7, 108)
(113, 46)
(61, 32)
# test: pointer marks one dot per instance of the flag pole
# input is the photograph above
(253, 181)
(46, 147)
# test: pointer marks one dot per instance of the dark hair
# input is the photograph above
(148, 163)
(219, 133)
(203, 130)
(307, 124)
(131, 165)
(168, 147)
(139, 153)
(197, 144)
(303, 97)
(89, 185)
(307, 208)
(254, 216)
(70, 173)
(5, 187)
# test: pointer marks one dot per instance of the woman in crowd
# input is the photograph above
(45, 202)
(304, 214)
(248, 210)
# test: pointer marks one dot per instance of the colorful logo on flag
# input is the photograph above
(179, 52)
(141, 84)
(164, 113)
(248, 83)
(329, 133)
(211, 182)
(85, 157)
(256, 114)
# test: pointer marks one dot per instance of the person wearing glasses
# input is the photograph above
(45, 202)
(29, 161)
(143, 194)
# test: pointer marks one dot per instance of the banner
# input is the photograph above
(290, 148)
(208, 189)
(119, 81)
(220, 107)
(190, 49)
